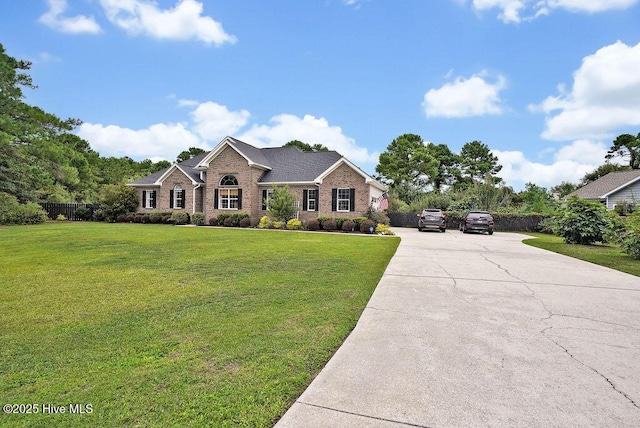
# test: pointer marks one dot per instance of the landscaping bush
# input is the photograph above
(98, 215)
(146, 218)
(61, 217)
(313, 225)
(129, 218)
(377, 216)
(367, 226)
(121, 218)
(348, 226)
(180, 217)
(137, 219)
(581, 222)
(213, 221)
(630, 240)
(12, 212)
(329, 225)
(167, 219)
(294, 224)
(227, 222)
(321, 221)
(245, 222)
(383, 229)
(83, 213)
(356, 222)
(235, 219)
(265, 223)
(197, 219)
(277, 225)
(339, 221)
(155, 218)
(117, 199)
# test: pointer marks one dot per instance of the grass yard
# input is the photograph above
(610, 256)
(156, 325)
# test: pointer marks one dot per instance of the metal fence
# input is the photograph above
(68, 210)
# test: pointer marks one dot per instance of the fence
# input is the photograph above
(68, 210)
(503, 222)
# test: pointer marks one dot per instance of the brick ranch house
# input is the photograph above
(238, 177)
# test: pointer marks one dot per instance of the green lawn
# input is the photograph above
(610, 256)
(156, 325)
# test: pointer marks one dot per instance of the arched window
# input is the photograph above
(178, 196)
(228, 180)
(228, 196)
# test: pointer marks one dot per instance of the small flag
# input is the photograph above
(383, 202)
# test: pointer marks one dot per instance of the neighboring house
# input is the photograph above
(621, 186)
(238, 177)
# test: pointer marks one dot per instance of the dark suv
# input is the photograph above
(477, 221)
(432, 219)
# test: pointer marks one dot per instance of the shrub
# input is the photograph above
(130, 218)
(277, 225)
(339, 221)
(313, 225)
(227, 222)
(321, 221)
(367, 226)
(197, 219)
(348, 226)
(137, 219)
(581, 222)
(12, 212)
(117, 199)
(61, 217)
(281, 204)
(83, 213)
(265, 223)
(146, 218)
(377, 216)
(180, 217)
(329, 225)
(245, 222)
(624, 208)
(98, 215)
(167, 219)
(213, 221)
(155, 218)
(234, 219)
(294, 224)
(357, 221)
(383, 229)
(121, 218)
(630, 240)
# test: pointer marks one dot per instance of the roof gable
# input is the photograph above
(251, 154)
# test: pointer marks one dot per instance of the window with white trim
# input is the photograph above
(149, 199)
(312, 200)
(178, 196)
(344, 200)
(229, 193)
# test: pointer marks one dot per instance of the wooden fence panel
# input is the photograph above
(67, 210)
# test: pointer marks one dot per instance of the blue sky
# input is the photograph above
(546, 84)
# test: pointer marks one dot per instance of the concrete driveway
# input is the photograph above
(471, 330)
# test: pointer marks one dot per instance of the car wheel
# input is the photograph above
(419, 229)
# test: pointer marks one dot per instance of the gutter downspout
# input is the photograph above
(194, 198)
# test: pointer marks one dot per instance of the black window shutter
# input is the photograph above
(264, 199)
(318, 200)
(305, 194)
(239, 199)
(334, 199)
(352, 199)
(184, 198)
(170, 198)
(144, 199)
(153, 199)
(215, 199)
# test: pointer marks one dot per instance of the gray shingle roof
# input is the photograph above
(606, 184)
(286, 164)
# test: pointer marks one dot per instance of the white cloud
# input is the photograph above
(514, 11)
(78, 24)
(159, 141)
(309, 129)
(570, 163)
(210, 123)
(605, 97)
(183, 22)
(214, 121)
(475, 96)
